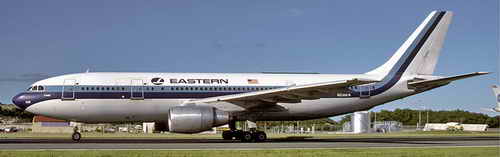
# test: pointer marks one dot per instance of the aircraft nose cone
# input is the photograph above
(20, 101)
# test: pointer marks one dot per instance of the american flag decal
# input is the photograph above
(253, 81)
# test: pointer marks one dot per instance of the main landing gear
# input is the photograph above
(245, 136)
(76, 136)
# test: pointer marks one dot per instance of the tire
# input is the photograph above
(237, 134)
(227, 135)
(260, 136)
(76, 136)
(246, 137)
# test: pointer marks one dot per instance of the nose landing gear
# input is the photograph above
(76, 136)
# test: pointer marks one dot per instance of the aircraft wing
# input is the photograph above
(442, 81)
(290, 94)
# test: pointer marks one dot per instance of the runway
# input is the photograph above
(281, 143)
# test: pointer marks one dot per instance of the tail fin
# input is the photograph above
(496, 91)
(419, 53)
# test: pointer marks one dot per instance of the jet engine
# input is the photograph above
(194, 119)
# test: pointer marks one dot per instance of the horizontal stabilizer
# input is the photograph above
(443, 81)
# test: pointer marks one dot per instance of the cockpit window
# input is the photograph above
(36, 88)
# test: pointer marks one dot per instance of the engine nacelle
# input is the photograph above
(194, 119)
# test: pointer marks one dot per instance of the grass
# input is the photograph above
(368, 152)
(218, 136)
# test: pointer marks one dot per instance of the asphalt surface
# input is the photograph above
(282, 143)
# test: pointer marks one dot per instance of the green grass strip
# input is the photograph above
(357, 152)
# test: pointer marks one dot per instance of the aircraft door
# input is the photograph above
(137, 90)
(365, 91)
(68, 90)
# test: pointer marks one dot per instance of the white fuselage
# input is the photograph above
(105, 97)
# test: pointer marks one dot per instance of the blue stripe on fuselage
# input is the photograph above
(26, 99)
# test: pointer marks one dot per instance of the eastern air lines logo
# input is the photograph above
(157, 81)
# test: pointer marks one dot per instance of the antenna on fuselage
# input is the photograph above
(88, 70)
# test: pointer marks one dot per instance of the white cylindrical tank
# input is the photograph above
(361, 122)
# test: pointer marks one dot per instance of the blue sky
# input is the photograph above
(39, 39)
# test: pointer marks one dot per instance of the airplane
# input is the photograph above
(496, 91)
(195, 102)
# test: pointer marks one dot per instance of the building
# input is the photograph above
(148, 127)
(387, 126)
(43, 124)
(454, 125)
(361, 122)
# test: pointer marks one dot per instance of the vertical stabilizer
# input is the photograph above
(420, 52)
(496, 91)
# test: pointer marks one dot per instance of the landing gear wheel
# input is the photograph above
(76, 136)
(260, 136)
(246, 137)
(237, 134)
(227, 135)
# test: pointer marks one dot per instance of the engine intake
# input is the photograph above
(194, 119)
